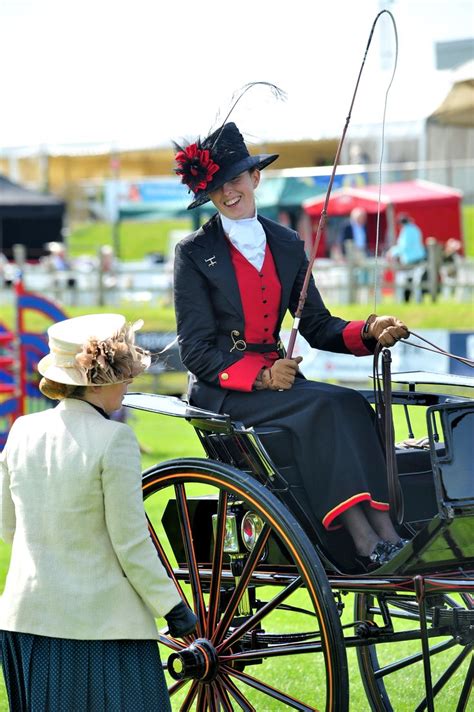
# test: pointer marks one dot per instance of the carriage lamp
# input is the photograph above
(231, 538)
(250, 529)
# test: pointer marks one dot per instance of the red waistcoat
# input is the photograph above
(260, 293)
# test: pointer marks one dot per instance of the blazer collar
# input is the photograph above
(74, 404)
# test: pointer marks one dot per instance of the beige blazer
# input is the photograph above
(82, 564)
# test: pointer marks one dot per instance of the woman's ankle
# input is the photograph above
(367, 546)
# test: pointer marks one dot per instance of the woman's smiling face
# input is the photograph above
(235, 199)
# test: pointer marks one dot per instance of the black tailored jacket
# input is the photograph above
(208, 305)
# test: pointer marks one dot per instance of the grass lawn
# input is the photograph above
(468, 225)
(136, 239)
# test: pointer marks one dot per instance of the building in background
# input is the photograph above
(28, 218)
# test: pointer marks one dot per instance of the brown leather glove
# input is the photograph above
(387, 330)
(281, 376)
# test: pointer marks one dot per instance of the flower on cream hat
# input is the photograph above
(95, 349)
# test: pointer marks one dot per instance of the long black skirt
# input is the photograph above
(45, 674)
(336, 447)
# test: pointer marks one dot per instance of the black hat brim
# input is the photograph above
(259, 161)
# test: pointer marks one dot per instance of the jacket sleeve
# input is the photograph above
(198, 328)
(7, 508)
(127, 525)
(322, 330)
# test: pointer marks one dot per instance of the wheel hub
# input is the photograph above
(199, 661)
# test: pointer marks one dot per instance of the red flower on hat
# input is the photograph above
(195, 166)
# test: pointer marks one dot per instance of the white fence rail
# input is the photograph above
(339, 282)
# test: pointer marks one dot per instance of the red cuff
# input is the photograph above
(240, 376)
(353, 339)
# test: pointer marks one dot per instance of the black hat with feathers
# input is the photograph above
(208, 163)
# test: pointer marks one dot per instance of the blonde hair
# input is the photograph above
(58, 391)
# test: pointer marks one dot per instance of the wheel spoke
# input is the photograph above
(201, 699)
(261, 613)
(176, 686)
(223, 697)
(412, 659)
(466, 688)
(215, 588)
(239, 590)
(275, 651)
(171, 643)
(231, 687)
(212, 698)
(399, 614)
(190, 553)
(269, 691)
(190, 697)
(448, 672)
(445, 677)
(164, 559)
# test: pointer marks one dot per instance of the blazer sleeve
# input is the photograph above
(7, 507)
(322, 330)
(197, 324)
(127, 525)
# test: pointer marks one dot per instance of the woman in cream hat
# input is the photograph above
(77, 617)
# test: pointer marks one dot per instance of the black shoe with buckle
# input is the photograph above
(383, 552)
(401, 543)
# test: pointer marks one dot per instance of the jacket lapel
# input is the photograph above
(287, 254)
(214, 260)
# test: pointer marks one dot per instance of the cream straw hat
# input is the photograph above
(96, 349)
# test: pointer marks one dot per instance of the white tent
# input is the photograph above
(457, 108)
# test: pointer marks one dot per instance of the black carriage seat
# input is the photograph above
(454, 467)
(415, 473)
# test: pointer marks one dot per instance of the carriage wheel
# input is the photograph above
(269, 637)
(393, 677)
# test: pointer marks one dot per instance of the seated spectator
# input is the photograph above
(409, 249)
(354, 232)
(410, 252)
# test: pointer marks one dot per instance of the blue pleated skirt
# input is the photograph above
(56, 675)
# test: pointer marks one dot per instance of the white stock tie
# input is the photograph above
(248, 237)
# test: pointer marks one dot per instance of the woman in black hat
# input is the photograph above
(235, 278)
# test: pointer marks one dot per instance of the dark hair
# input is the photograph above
(58, 391)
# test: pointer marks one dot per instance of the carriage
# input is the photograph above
(282, 607)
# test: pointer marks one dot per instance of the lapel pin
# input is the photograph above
(211, 261)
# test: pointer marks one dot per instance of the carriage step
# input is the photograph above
(457, 621)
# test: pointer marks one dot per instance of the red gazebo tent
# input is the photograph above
(436, 209)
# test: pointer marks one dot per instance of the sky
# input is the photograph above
(142, 73)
